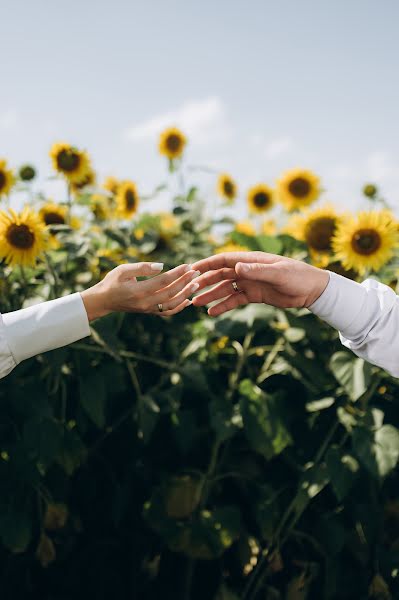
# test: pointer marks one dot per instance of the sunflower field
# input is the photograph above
(244, 457)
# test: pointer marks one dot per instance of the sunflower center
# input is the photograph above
(299, 187)
(20, 236)
(53, 218)
(173, 142)
(366, 241)
(228, 188)
(318, 233)
(130, 200)
(68, 160)
(2, 180)
(261, 199)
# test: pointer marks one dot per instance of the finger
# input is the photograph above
(219, 291)
(184, 283)
(229, 260)
(269, 273)
(138, 269)
(179, 298)
(229, 303)
(160, 281)
(212, 277)
(176, 310)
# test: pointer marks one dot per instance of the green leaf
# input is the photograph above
(377, 450)
(264, 425)
(321, 404)
(313, 481)
(270, 244)
(93, 396)
(352, 373)
(342, 469)
(15, 530)
(248, 241)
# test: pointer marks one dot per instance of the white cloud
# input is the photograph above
(279, 147)
(379, 166)
(203, 120)
(8, 119)
(275, 148)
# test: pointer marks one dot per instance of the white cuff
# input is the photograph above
(46, 326)
(350, 307)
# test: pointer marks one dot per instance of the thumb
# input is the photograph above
(258, 272)
(138, 269)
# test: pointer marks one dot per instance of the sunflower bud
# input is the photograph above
(45, 552)
(56, 517)
(27, 173)
(370, 191)
(379, 589)
(182, 497)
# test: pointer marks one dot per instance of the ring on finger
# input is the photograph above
(235, 286)
(160, 307)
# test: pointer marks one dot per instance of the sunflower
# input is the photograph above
(172, 142)
(226, 187)
(111, 184)
(23, 237)
(269, 227)
(89, 178)
(298, 188)
(366, 242)
(168, 224)
(53, 214)
(316, 228)
(260, 198)
(127, 199)
(74, 164)
(6, 178)
(100, 207)
(245, 227)
(231, 247)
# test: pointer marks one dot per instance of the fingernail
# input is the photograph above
(189, 303)
(245, 268)
(157, 266)
(196, 274)
(188, 268)
(194, 287)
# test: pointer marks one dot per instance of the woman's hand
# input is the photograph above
(259, 277)
(120, 290)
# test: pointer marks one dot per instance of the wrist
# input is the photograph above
(320, 282)
(94, 302)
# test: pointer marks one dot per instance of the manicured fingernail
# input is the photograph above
(157, 266)
(196, 274)
(194, 287)
(245, 268)
(188, 268)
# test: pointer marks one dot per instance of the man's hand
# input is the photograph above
(260, 277)
(120, 290)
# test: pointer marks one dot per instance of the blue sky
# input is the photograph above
(259, 87)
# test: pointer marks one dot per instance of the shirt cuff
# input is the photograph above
(46, 326)
(349, 306)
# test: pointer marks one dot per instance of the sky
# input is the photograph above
(259, 87)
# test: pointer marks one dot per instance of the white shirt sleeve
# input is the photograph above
(366, 316)
(39, 328)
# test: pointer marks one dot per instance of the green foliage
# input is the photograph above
(243, 457)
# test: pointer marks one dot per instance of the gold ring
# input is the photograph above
(235, 286)
(160, 307)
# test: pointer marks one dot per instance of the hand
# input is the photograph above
(260, 277)
(120, 290)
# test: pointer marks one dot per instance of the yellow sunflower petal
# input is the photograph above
(298, 188)
(367, 241)
(172, 143)
(260, 198)
(7, 178)
(69, 161)
(23, 237)
(226, 187)
(127, 199)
